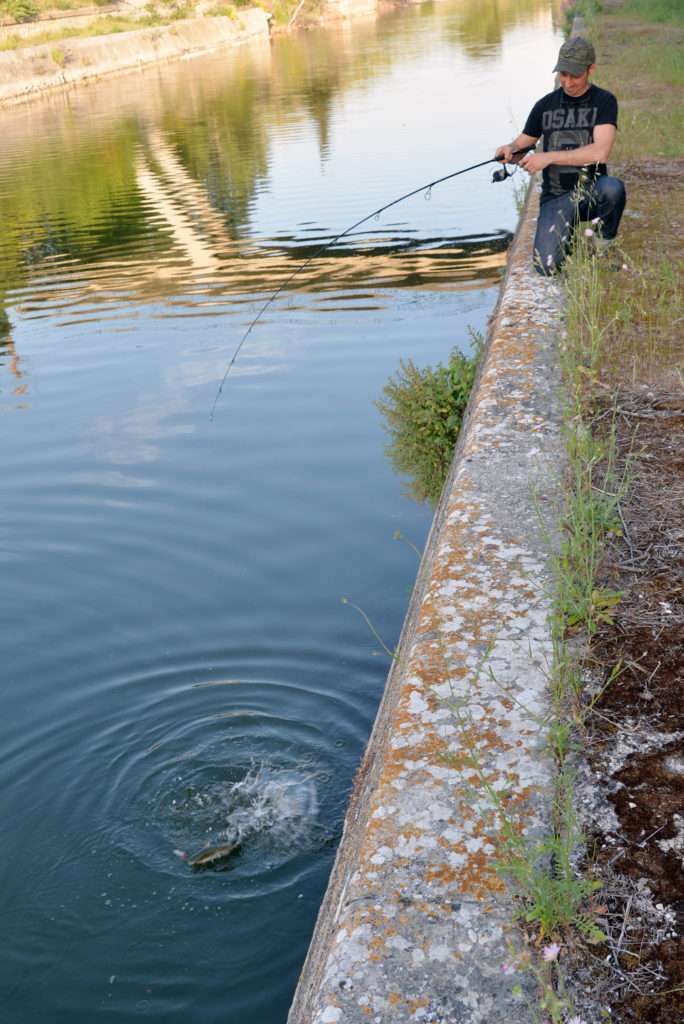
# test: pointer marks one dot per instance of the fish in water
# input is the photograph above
(210, 856)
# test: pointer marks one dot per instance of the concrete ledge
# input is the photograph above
(36, 70)
(416, 925)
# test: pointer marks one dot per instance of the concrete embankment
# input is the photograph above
(416, 924)
(36, 70)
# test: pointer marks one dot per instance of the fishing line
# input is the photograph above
(498, 176)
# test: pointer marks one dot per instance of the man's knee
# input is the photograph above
(611, 190)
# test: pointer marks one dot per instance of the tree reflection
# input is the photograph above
(8, 354)
(482, 25)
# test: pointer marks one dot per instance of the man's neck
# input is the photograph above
(579, 95)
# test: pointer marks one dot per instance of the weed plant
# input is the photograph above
(423, 411)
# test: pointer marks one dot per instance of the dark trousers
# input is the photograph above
(559, 217)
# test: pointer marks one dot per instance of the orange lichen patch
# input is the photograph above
(442, 873)
(480, 883)
(394, 998)
(410, 833)
(423, 907)
(474, 878)
(480, 827)
(431, 746)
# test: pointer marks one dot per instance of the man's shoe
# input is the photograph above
(603, 250)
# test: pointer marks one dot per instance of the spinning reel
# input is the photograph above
(503, 172)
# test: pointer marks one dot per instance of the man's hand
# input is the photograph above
(532, 162)
(504, 154)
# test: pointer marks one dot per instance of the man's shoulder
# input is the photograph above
(602, 95)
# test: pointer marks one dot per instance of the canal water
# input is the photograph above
(178, 667)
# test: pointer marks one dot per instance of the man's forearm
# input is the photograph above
(594, 153)
(521, 142)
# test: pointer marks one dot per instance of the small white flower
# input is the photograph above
(576, 1020)
(596, 220)
(551, 952)
(625, 267)
(588, 232)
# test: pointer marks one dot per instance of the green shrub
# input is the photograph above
(423, 411)
(20, 10)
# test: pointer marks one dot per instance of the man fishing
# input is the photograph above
(578, 124)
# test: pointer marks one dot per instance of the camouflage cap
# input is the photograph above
(575, 56)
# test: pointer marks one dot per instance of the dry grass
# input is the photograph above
(645, 342)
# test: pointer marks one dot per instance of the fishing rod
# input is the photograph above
(499, 175)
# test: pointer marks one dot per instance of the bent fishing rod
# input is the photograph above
(499, 175)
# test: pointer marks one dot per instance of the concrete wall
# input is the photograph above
(416, 924)
(36, 70)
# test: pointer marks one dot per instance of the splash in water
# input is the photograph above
(276, 805)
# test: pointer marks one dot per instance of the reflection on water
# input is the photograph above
(8, 356)
(178, 665)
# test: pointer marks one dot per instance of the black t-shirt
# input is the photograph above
(567, 122)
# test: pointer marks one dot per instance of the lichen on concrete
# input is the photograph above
(417, 923)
